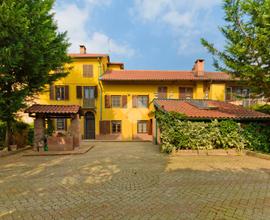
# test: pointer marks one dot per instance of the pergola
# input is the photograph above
(43, 112)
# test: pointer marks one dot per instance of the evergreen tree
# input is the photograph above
(30, 48)
(246, 54)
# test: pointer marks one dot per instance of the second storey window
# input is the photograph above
(162, 92)
(234, 93)
(116, 101)
(142, 101)
(185, 92)
(116, 127)
(87, 70)
(59, 92)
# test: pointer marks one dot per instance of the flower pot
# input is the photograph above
(13, 147)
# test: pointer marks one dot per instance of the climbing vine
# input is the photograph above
(179, 133)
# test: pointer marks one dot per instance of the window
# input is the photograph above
(89, 92)
(60, 124)
(116, 101)
(162, 92)
(87, 70)
(185, 92)
(60, 92)
(234, 93)
(116, 127)
(142, 101)
(142, 127)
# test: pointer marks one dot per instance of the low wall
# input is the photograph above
(60, 143)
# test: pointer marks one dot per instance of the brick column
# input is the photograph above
(76, 131)
(39, 129)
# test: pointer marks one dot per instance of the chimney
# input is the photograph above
(82, 49)
(198, 67)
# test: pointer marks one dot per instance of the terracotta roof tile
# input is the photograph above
(53, 109)
(87, 55)
(122, 75)
(215, 109)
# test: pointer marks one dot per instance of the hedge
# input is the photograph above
(179, 133)
(22, 134)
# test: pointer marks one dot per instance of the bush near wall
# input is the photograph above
(262, 108)
(22, 134)
(179, 133)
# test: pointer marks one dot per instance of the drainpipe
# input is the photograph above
(156, 136)
(100, 86)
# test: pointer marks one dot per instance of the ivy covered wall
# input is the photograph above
(176, 132)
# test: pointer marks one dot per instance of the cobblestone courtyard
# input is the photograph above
(134, 181)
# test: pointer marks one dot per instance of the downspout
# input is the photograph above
(156, 132)
(100, 86)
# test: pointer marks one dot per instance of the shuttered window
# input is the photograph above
(107, 101)
(61, 92)
(142, 101)
(87, 70)
(134, 101)
(162, 92)
(79, 92)
(116, 101)
(142, 127)
(52, 97)
(185, 92)
(124, 101)
(116, 127)
(105, 127)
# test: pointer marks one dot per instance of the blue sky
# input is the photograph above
(144, 34)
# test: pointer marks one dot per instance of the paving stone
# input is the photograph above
(134, 181)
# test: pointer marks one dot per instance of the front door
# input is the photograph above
(89, 125)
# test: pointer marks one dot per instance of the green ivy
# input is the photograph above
(179, 133)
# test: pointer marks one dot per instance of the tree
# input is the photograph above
(246, 54)
(30, 48)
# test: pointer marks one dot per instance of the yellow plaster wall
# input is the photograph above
(199, 91)
(217, 91)
(129, 116)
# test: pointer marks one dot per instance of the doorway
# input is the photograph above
(89, 125)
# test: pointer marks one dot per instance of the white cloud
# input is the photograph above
(100, 42)
(75, 21)
(178, 20)
(184, 18)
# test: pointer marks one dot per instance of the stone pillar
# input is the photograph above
(39, 131)
(76, 131)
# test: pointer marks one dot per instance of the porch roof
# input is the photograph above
(209, 109)
(53, 109)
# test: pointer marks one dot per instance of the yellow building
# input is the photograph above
(117, 104)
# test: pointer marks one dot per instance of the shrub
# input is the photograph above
(262, 108)
(258, 137)
(21, 135)
(179, 133)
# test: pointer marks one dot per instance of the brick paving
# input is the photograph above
(134, 181)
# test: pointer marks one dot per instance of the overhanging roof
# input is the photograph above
(209, 109)
(157, 75)
(53, 109)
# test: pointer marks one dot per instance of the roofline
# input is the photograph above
(78, 55)
(219, 80)
(209, 118)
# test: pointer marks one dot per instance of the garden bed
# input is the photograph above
(212, 152)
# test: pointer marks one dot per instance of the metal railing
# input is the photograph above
(89, 103)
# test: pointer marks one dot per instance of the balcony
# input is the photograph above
(89, 103)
